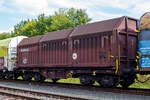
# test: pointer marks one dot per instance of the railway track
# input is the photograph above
(30, 94)
(34, 95)
(136, 91)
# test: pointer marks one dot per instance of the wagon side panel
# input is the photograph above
(28, 56)
(54, 53)
(92, 50)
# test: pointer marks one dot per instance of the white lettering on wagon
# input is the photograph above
(25, 60)
(24, 50)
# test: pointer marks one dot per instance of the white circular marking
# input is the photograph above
(25, 61)
(74, 56)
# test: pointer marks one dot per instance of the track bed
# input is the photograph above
(78, 91)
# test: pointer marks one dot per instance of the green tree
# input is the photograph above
(67, 18)
(42, 24)
(33, 27)
(4, 35)
(19, 27)
(62, 19)
(29, 29)
(78, 16)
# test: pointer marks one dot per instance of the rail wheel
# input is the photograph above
(27, 77)
(16, 76)
(107, 82)
(92, 82)
(86, 80)
(2, 75)
(37, 77)
(126, 82)
(55, 80)
(42, 79)
(9, 75)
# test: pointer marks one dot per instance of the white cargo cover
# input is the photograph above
(12, 51)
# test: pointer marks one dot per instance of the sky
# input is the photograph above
(13, 11)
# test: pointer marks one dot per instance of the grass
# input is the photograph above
(69, 80)
(142, 78)
(141, 85)
(77, 81)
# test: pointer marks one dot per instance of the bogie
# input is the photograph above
(108, 81)
(126, 82)
(86, 80)
(38, 77)
(55, 80)
(27, 77)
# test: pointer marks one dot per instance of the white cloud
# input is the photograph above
(7, 30)
(3, 8)
(30, 7)
(1, 31)
(112, 3)
(93, 7)
(69, 3)
(99, 15)
(141, 7)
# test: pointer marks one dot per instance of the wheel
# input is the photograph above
(55, 80)
(92, 82)
(107, 82)
(27, 77)
(37, 77)
(86, 80)
(9, 75)
(126, 83)
(42, 79)
(16, 77)
(2, 76)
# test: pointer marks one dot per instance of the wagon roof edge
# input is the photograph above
(100, 26)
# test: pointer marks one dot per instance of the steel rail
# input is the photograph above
(30, 95)
(133, 91)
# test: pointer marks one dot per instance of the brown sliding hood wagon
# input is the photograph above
(100, 49)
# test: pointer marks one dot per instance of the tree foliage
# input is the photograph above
(62, 19)
(78, 17)
(4, 36)
(19, 27)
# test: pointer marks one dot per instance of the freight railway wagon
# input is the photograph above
(103, 51)
(8, 52)
(144, 44)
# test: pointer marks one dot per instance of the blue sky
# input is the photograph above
(13, 11)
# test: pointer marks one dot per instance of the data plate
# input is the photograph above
(145, 62)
